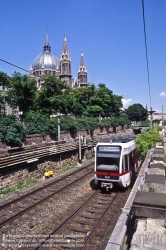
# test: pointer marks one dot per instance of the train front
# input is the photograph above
(107, 165)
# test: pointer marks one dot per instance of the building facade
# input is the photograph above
(46, 62)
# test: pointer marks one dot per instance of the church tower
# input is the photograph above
(65, 64)
(45, 62)
(82, 73)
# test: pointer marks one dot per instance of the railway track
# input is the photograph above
(80, 229)
(15, 208)
(35, 154)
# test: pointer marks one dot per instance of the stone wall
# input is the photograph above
(13, 177)
(38, 138)
(65, 135)
(36, 170)
(2, 145)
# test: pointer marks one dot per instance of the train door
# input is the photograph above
(125, 168)
(131, 166)
(136, 161)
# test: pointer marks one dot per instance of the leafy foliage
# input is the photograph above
(89, 123)
(147, 140)
(36, 123)
(11, 131)
(22, 92)
(68, 123)
(52, 126)
(4, 83)
(116, 120)
(137, 112)
(92, 100)
(157, 128)
(86, 104)
(53, 96)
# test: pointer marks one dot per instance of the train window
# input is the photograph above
(107, 163)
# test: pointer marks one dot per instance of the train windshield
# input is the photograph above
(108, 158)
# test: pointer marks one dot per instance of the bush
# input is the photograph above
(11, 131)
(36, 123)
(147, 140)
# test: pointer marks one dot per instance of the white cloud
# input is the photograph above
(126, 102)
(163, 94)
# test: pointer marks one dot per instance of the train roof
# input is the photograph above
(123, 139)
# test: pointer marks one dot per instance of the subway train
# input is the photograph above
(116, 162)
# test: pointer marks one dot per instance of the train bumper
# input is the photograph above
(106, 185)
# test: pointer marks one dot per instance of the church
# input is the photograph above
(46, 62)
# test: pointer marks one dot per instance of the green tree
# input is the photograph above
(53, 96)
(106, 100)
(81, 99)
(137, 112)
(4, 84)
(92, 100)
(22, 92)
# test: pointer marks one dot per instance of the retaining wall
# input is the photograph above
(20, 175)
(67, 135)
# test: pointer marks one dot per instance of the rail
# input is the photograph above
(37, 153)
(15, 208)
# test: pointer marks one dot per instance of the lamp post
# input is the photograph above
(20, 114)
(59, 133)
(151, 118)
(162, 117)
(100, 118)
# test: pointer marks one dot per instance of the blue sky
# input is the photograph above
(110, 32)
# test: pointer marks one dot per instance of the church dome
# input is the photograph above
(46, 59)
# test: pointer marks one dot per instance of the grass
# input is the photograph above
(31, 182)
(19, 186)
(31, 224)
(8, 190)
(164, 158)
(68, 167)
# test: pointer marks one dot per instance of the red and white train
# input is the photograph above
(116, 162)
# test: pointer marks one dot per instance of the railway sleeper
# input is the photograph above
(78, 229)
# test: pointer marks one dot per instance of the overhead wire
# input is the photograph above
(147, 61)
(14, 65)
